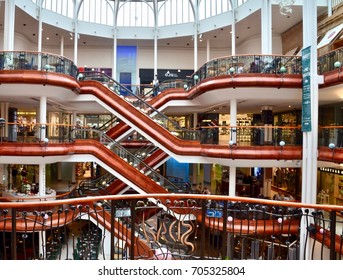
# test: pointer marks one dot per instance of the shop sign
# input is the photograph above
(212, 213)
(306, 91)
(124, 212)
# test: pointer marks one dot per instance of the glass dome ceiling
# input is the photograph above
(139, 13)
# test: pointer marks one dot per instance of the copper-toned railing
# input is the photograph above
(169, 227)
(256, 64)
(24, 60)
(247, 135)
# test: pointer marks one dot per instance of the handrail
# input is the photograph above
(262, 64)
(139, 103)
(250, 63)
(268, 224)
(290, 134)
(38, 61)
(139, 164)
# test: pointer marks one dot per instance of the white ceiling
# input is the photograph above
(220, 38)
(249, 100)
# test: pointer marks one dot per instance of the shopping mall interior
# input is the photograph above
(135, 129)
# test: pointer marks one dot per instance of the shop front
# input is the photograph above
(330, 186)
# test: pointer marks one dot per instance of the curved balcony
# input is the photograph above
(183, 227)
(48, 62)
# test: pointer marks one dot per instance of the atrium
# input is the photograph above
(138, 129)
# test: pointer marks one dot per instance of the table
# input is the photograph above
(15, 196)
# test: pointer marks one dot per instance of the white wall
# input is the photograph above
(173, 58)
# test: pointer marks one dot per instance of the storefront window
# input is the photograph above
(27, 123)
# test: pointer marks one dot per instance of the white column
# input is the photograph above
(266, 24)
(76, 35)
(9, 25)
(208, 57)
(62, 46)
(40, 27)
(232, 181)
(155, 51)
(329, 8)
(114, 62)
(195, 50)
(310, 143)
(233, 137)
(233, 120)
(42, 117)
(233, 27)
(42, 179)
(196, 22)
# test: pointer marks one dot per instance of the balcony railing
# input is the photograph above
(23, 60)
(263, 64)
(256, 64)
(182, 227)
(238, 64)
(240, 135)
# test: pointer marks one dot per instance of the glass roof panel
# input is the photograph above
(140, 13)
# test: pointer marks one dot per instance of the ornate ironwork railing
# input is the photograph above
(169, 227)
(24, 60)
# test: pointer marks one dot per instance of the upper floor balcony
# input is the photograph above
(226, 72)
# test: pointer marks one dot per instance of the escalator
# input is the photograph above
(117, 126)
(178, 143)
(121, 129)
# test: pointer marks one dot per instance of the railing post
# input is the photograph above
(203, 227)
(332, 234)
(112, 229)
(133, 226)
(14, 235)
(224, 232)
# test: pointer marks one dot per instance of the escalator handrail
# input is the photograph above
(109, 142)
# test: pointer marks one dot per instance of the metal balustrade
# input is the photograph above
(48, 62)
(243, 135)
(182, 227)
